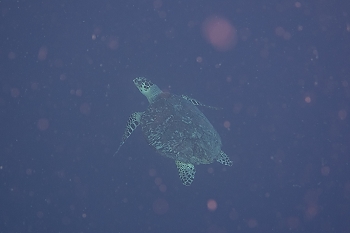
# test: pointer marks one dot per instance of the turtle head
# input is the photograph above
(147, 88)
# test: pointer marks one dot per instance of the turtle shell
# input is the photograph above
(177, 129)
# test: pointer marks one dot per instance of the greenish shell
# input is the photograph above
(177, 129)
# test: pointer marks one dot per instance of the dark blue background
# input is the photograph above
(291, 158)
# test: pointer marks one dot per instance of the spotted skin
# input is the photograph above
(176, 129)
(133, 122)
(186, 172)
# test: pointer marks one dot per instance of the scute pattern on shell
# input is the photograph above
(179, 130)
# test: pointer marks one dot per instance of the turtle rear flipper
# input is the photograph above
(224, 159)
(133, 122)
(186, 172)
(176, 129)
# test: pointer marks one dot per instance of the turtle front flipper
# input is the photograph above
(186, 172)
(133, 122)
(197, 103)
(224, 159)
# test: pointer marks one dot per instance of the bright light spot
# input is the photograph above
(199, 59)
(219, 33)
(212, 205)
(308, 99)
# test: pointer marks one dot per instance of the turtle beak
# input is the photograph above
(140, 81)
(142, 84)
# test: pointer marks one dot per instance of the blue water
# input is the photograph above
(279, 69)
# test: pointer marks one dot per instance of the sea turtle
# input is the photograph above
(177, 129)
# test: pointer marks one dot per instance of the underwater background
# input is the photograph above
(280, 69)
